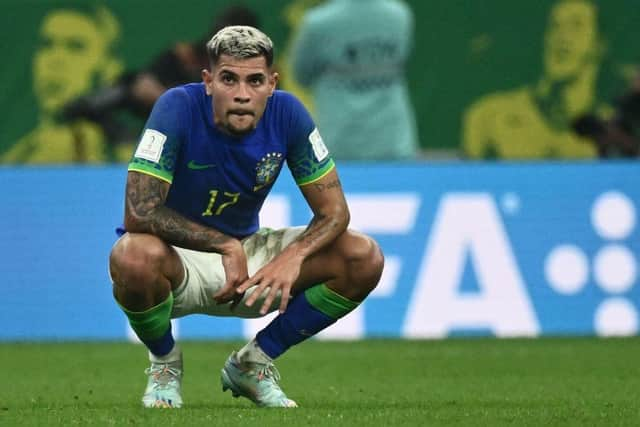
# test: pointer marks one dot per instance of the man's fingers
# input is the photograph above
(225, 294)
(254, 296)
(236, 300)
(273, 292)
(257, 292)
(219, 293)
(284, 300)
(248, 283)
(217, 297)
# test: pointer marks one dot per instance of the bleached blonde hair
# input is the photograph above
(240, 41)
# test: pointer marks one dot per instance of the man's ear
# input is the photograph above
(274, 81)
(207, 79)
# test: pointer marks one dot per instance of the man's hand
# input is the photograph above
(278, 275)
(234, 262)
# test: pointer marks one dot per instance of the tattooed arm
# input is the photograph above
(145, 212)
(330, 220)
(330, 215)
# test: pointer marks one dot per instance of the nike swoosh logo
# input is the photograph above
(197, 167)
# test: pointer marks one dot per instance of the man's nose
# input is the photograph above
(242, 94)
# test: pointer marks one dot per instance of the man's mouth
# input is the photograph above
(240, 112)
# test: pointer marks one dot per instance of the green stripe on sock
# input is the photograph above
(329, 302)
(151, 324)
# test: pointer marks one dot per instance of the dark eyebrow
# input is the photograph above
(256, 75)
(225, 71)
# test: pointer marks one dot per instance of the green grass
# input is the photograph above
(475, 382)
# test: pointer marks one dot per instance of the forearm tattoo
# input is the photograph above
(145, 208)
(323, 228)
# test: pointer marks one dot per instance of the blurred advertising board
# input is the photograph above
(511, 249)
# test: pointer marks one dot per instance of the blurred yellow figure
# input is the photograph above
(533, 122)
(73, 57)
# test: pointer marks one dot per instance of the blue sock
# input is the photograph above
(307, 314)
(160, 346)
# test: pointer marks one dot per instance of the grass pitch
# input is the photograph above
(475, 382)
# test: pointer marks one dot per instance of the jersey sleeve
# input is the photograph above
(162, 136)
(308, 157)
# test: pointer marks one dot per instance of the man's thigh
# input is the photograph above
(205, 275)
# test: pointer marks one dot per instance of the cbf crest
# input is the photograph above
(267, 170)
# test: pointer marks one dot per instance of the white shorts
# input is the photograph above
(205, 275)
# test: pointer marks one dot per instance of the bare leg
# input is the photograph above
(144, 270)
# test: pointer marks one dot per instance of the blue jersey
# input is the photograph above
(219, 180)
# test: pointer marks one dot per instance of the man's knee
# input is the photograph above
(136, 256)
(136, 265)
(364, 261)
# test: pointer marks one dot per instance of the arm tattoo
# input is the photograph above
(144, 194)
(322, 230)
(319, 229)
(329, 186)
(145, 209)
(330, 218)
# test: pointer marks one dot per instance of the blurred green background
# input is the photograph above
(463, 49)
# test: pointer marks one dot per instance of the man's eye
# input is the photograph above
(46, 43)
(228, 79)
(256, 81)
(77, 45)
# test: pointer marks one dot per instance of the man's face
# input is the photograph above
(240, 89)
(65, 63)
(571, 39)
